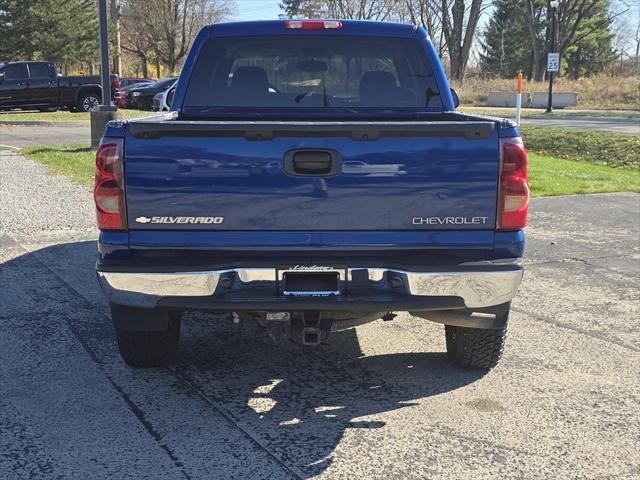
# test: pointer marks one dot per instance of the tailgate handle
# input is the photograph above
(314, 162)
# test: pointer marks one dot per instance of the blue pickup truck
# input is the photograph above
(313, 176)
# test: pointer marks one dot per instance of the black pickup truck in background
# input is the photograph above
(37, 85)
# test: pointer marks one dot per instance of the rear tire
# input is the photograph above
(89, 102)
(474, 347)
(146, 348)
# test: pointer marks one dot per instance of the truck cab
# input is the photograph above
(27, 84)
(37, 85)
(313, 175)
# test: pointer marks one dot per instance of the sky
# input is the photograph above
(256, 10)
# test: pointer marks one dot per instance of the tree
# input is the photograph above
(291, 8)
(302, 8)
(505, 49)
(625, 26)
(68, 32)
(347, 9)
(592, 50)
(459, 37)
(584, 39)
(425, 13)
(574, 24)
(161, 31)
(361, 9)
(62, 32)
(16, 27)
(133, 41)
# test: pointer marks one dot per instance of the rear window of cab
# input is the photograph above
(296, 72)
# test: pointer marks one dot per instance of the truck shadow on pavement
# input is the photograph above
(293, 402)
(304, 401)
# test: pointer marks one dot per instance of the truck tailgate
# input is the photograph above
(311, 176)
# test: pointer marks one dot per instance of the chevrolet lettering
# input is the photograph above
(450, 220)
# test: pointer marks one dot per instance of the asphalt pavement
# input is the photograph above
(380, 401)
(20, 136)
(616, 125)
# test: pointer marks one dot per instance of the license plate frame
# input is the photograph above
(311, 280)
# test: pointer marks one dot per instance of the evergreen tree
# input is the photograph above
(63, 32)
(291, 7)
(505, 45)
(304, 8)
(593, 52)
(70, 32)
(17, 24)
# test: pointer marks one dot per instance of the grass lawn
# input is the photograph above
(591, 146)
(548, 175)
(75, 161)
(556, 176)
(65, 116)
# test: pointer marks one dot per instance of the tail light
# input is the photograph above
(513, 196)
(108, 192)
(313, 24)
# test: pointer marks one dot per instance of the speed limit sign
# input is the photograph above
(553, 62)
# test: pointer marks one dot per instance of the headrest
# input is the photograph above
(250, 78)
(377, 79)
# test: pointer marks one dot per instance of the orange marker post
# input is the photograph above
(519, 98)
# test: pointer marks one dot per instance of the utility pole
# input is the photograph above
(105, 110)
(114, 10)
(104, 54)
(551, 66)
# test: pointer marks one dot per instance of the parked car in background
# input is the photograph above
(37, 85)
(162, 100)
(157, 101)
(123, 100)
(129, 82)
(142, 97)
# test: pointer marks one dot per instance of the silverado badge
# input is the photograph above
(181, 220)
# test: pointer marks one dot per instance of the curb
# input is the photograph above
(583, 117)
(44, 123)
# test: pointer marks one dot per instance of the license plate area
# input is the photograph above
(311, 282)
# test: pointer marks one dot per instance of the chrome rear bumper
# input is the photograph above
(478, 284)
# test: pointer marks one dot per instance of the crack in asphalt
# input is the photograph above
(575, 329)
(586, 261)
(255, 438)
(448, 431)
(148, 426)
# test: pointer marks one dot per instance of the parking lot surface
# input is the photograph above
(19, 136)
(380, 401)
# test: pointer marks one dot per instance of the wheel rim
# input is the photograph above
(90, 103)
